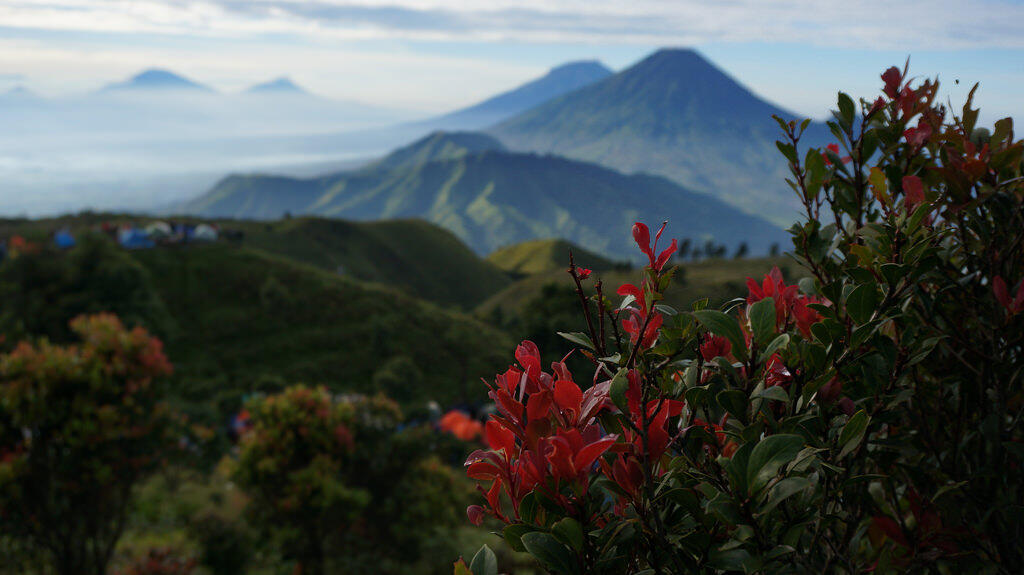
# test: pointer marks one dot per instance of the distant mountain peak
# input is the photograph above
(157, 79)
(592, 66)
(557, 82)
(282, 85)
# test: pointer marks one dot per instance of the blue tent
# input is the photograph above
(63, 239)
(133, 239)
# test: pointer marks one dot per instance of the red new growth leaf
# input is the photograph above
(1013, 305)
(892, 78)
(913, 192)
(642, 237)
(499, 438)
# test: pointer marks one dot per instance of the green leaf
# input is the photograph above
(550, 552)
(720, 323)
(484, 562)
(769, 455)
(762, 319)
(787, 150)
(568, 531)
(784, 489)
(513, 535)
(617, 390)
(775, 393)
(861, 302)
(780, 342)
(853, 432)
(579, 338)
(734, 401)
(846, 109)
(528, 507)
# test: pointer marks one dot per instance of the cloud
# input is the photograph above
(907, 24)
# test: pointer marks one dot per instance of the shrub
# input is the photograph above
(867, 419)
(79, 427)
(342, 486)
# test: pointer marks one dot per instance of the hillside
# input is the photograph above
(558, 81)
(238, 319)
(411, 255)
(720, 280)
(673, 114)
(541, 256)
(246, 319)
(492, 198)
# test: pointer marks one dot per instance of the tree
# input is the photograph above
(741, 251)
(867, 419)
(341, 487)
(80, 426)
(290, 464)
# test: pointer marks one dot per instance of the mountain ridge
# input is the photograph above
(557, 81)
(491, 198)
(674, 114)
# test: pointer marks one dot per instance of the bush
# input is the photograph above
(867, 419)
(80, 426)
(338, 483)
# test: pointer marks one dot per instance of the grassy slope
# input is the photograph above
(719, 280)
(236, 333)
(540, 256)
(412, 255)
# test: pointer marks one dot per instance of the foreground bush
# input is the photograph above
(79, 427)
(336, 483)
(868, 419)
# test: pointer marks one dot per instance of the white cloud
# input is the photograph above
(918, 24)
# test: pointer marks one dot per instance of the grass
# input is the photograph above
(248, 320)
(544, 256)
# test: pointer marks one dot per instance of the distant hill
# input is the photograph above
(719, 279)
(156, 79)
(411, 255)
(493, 198)
(558, 81)
(541, 256)
(238, 318)
(673, 114)
(276, 86)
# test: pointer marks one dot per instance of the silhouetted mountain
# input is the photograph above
(673, 114)
(492, 198)
(558, 81)
(277, 86)
(157, 79)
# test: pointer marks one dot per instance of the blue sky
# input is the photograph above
(433, 55)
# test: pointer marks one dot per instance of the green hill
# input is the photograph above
(673, 114)
(236, 320)
(540, 256)
(721, 280)
(411, 255)
(492, 198)
(248, 320)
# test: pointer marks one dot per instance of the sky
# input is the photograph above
(436, 55)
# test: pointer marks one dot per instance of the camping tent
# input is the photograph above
(159, 231)
(133, 238)
(204, 233)
(63, 239)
